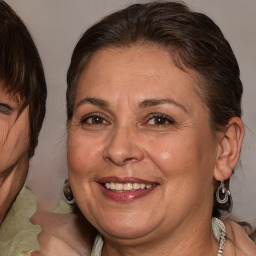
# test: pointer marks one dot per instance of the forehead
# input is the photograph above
(136, 67)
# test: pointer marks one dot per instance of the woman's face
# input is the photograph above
(14, 144)
(141, 153)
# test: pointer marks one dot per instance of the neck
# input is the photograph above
(196, 239)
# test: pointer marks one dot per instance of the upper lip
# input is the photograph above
(124, 180)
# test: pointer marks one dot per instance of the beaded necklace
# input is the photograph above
(220, 234)
(218, 229)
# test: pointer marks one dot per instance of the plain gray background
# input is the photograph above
(56, 26)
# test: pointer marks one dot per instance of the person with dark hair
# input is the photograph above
(22, 104)
(155, 132)
(22, 109)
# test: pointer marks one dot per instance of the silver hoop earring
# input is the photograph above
(67, 193)
(222, 193)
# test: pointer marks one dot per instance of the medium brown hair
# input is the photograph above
(193, 41)
(21, 70)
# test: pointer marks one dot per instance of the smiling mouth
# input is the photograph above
(124, 187)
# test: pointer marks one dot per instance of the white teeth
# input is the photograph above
(127, 186)
(112, 185)
(119, 186)
(142, 186)
(136, 186)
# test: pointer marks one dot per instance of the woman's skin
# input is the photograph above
(14, 146)
(139, 120)
(68, 234)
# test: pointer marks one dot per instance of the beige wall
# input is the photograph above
(56, 26)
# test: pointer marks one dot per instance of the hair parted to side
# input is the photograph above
(193, 41)
(21, 70)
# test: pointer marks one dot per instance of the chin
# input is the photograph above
(124, 228)
(133, 233)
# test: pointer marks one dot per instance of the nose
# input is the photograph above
(123, 147)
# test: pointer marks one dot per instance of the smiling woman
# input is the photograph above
(154, 107)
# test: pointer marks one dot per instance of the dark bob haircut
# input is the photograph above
(21, 70)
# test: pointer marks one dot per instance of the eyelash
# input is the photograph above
(5, 109)
(93, 116)
(99, 119)
(161, 117)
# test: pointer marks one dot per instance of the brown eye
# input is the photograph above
(94, 119)
(160, 119)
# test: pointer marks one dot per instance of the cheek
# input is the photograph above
(83, 162)
(4, 129)
(20, 139)
(186, 165)
(19, 133)
(83, 154)
(171, 152)
(5, 151)
(14, 144)
(183, 155)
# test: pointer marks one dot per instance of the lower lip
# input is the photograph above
(126, 196)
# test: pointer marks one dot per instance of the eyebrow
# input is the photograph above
(94, 101)
(144, 104)
(155, 102)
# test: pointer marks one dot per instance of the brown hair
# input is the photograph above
(193, 40)
(21, 69)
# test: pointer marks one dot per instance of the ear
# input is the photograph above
(230, 142)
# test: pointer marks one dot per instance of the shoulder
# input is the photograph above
(64, 234)
(17, 233)
(238, 240)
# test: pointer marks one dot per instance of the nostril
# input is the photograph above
(129, 159)
(122, 147)
(118, 161)
(121, 160)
